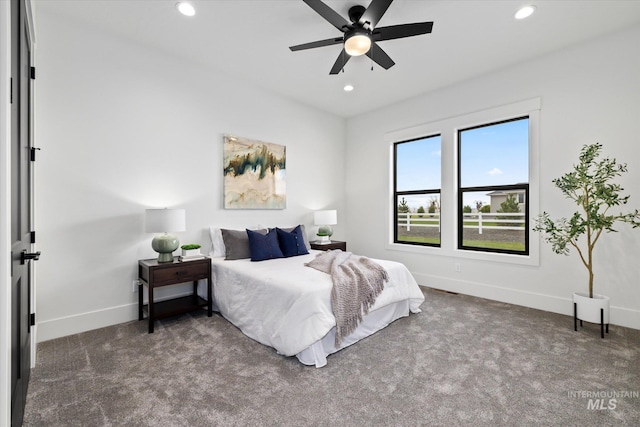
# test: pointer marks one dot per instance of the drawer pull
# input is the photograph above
(181, 273)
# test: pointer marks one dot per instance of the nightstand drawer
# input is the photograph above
(335, 244)
(177, 273)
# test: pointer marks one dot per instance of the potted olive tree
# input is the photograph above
(590, 185)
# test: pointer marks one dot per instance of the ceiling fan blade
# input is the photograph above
(380, 57)
(403, 30)
(319, 43)
(329, 14)
(343, 58)
(374, 12)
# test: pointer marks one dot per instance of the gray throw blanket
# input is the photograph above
(357, 282)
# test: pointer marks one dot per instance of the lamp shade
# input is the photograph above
(329, 217)
(164, 220)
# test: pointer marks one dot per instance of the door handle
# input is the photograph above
(24, 256)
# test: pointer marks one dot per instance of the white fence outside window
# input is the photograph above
(480, 221)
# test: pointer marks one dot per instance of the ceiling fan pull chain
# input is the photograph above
(371, 58)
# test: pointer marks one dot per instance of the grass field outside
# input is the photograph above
(487, 244)
(419, 239)
(510, 239)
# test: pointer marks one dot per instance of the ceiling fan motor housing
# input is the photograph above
(355, 13)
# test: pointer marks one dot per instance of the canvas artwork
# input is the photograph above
(254, 174)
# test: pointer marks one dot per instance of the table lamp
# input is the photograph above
(325, 219)
(165, 221)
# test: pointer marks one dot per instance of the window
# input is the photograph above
(488, 170)
(417, 165)
(493, 179)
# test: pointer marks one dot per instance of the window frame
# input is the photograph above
(397, 194)
(447, 128)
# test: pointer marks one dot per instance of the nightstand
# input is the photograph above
(335, 244)
(154, 275)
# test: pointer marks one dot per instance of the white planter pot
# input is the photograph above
(190, 252)
(588, 309)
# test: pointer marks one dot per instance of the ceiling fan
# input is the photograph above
(361, 34)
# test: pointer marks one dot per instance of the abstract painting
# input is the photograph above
(254, 174)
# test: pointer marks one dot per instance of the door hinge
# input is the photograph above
(33, 153)
(33, 237)
(32, 319)
(33, 73)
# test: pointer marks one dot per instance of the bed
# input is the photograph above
(286, 305)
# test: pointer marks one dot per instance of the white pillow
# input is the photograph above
(217, 244)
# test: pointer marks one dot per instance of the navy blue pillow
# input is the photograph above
(264, 246)
(292, 243)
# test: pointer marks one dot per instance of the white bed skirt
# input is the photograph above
(317, 353)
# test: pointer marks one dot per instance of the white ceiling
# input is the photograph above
(250, 39)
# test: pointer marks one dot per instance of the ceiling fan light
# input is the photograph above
(357, 44)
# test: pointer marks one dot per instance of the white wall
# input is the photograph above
(589, 93)
(122, 128)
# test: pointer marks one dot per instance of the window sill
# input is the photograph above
(532, 259)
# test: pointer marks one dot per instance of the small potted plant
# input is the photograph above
(192, 249)
(590, 185)
(323, 236)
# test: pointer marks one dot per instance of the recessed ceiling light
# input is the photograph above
(185, 8)
(348, 88)
(525, 12)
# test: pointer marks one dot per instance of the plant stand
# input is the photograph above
(602, 324)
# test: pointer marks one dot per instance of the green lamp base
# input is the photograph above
(165, 244)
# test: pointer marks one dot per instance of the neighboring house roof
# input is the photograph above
(504, 192)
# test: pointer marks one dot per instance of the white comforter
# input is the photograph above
(285, 305)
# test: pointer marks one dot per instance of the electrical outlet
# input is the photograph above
(457, 267)
(135, 286)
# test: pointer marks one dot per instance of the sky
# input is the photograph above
(495, 155)
(490, 155)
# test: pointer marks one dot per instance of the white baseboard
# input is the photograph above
(618, 315)
(83, 322)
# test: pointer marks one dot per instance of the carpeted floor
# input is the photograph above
(462, 361)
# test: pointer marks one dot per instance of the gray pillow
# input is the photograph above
(236, 243)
